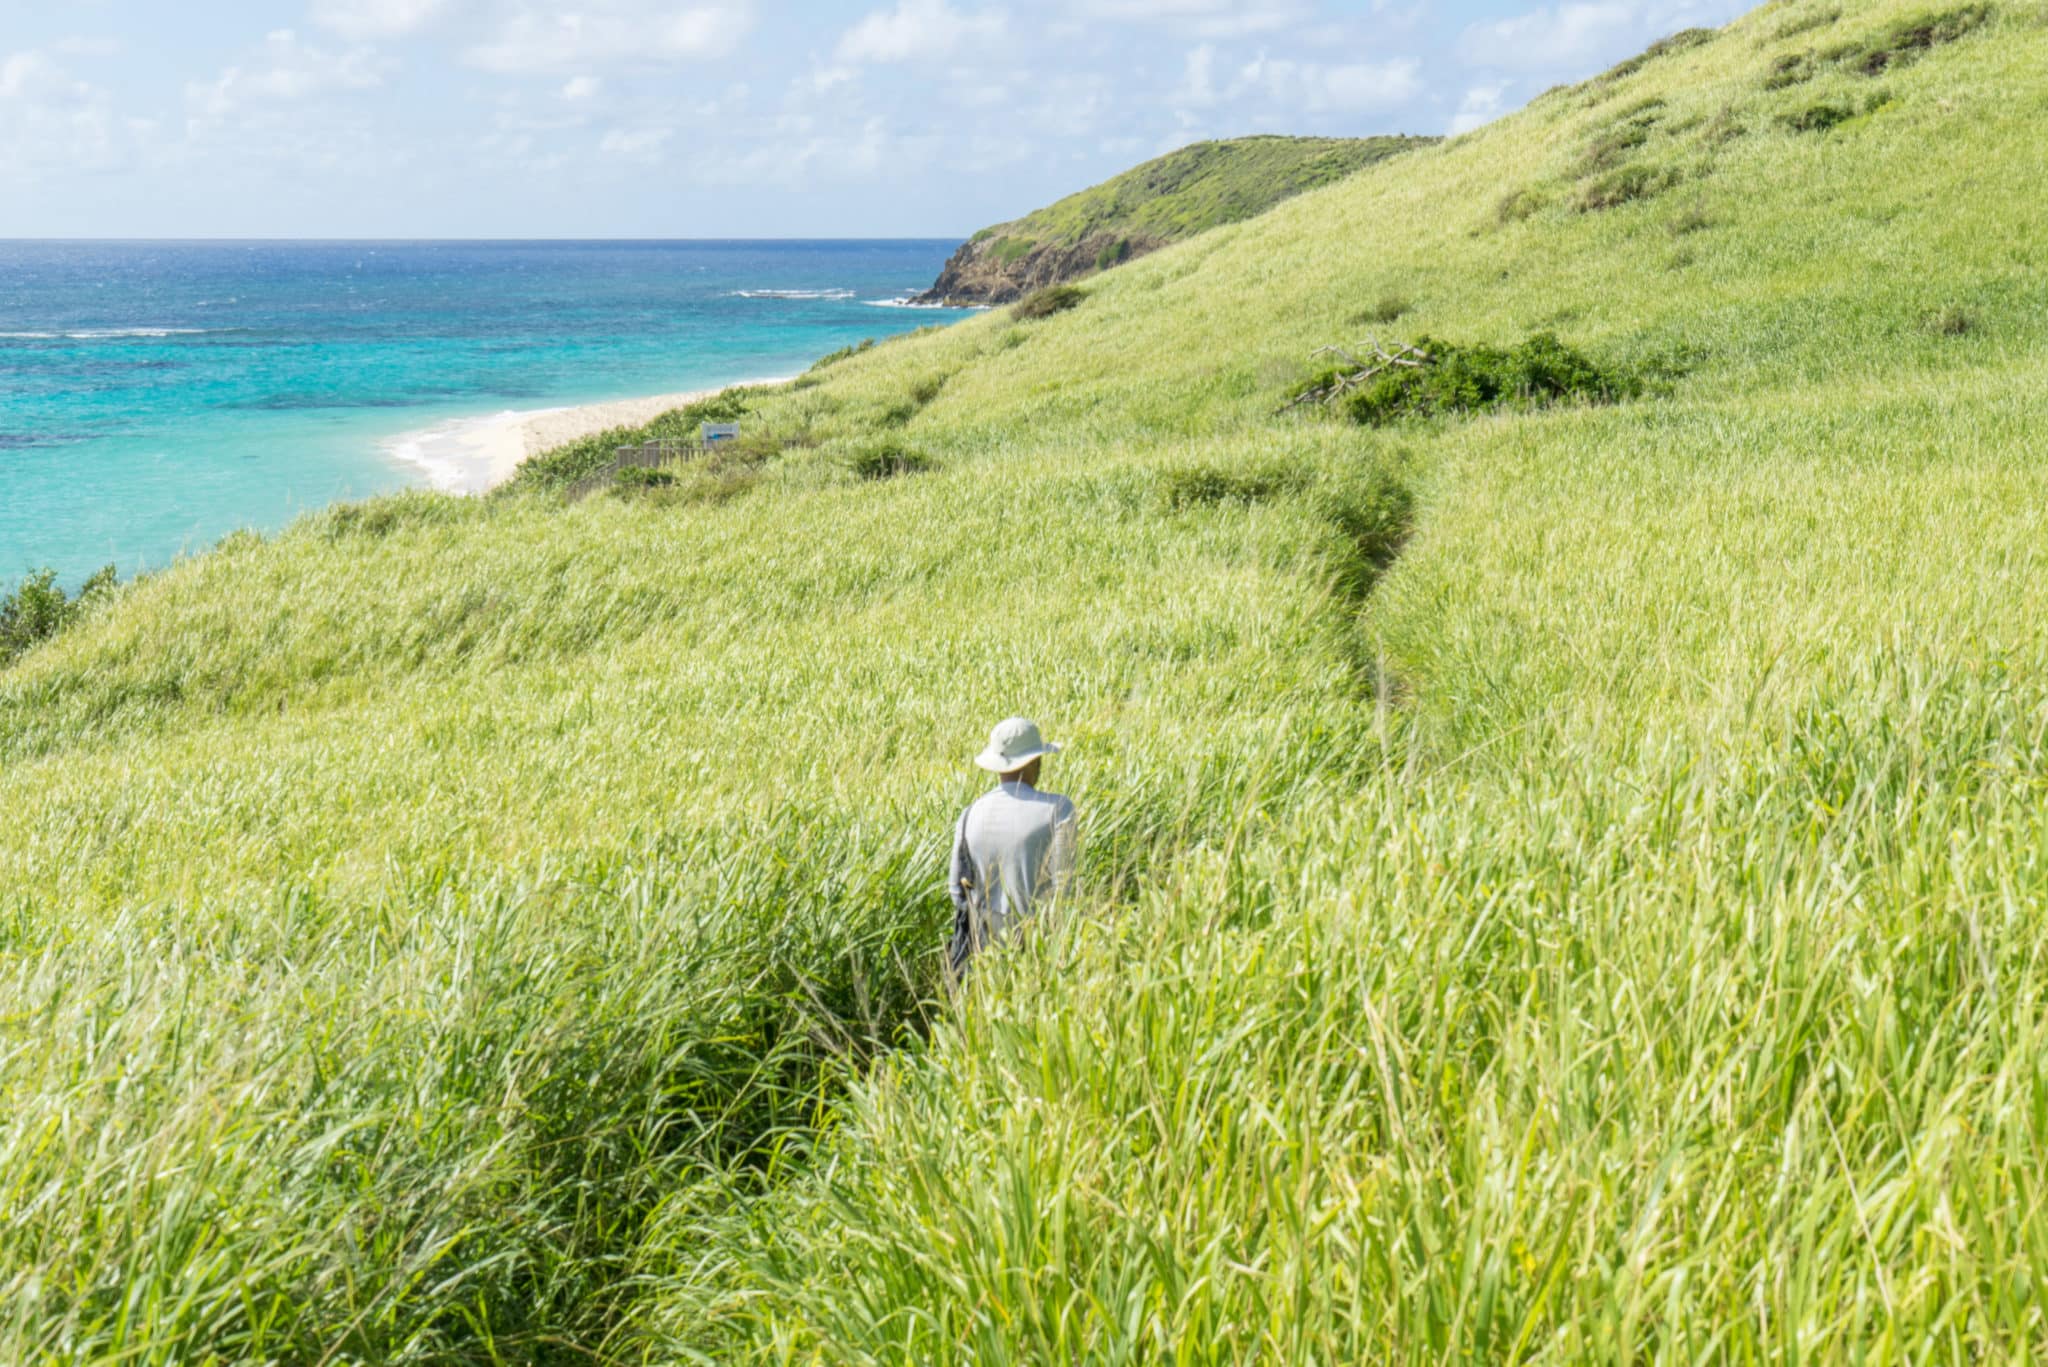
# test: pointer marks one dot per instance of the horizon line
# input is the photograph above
(146, 241)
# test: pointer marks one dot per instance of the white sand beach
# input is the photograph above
(475, 455)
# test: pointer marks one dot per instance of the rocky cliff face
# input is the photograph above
(1000, 269)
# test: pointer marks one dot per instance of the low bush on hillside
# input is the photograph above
(1517, 205)
(887, 460)
(1806, 23)
(1115, 254)
(1537, 373)
(1824, 115)
(1047, 302)
(644, 477)
(1677, 42)
(1908, 40)
(688, 486)
(1951, 321)
(1691, 220)
(1790, 69)
(1624, 186)
(1818, 118)
(1390, 308)
(380, 517)
(920, 397)
(1197, 486)
(1899, 45)
(1612, 142)
(39, 609)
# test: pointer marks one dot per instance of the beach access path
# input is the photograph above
(476, 454)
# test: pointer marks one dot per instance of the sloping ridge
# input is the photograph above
(1170, 199)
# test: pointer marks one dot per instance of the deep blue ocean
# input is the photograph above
(155, 396)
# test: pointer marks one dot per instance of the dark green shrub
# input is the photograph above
(1664, 47)
(643, 477)
(1538, 373)
(1806, 23)
(379, 517)
(887, 460)
(1115, 254)
(1818, 118)
(39, 609)
(1516, 206)
(1622, 187)
(1611, 143)
(1789, 70)
(1610, 149)
(1950, 321)
(1391, 308)
(1691, 220)
(1725, 127)
(1047, 302)
(1196, 486)
(1910, 39)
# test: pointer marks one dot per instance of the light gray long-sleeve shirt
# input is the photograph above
(1013, 849)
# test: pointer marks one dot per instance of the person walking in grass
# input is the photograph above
(1013, 848)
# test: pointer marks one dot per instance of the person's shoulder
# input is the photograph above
(1062, 806)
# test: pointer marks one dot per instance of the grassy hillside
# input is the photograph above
(1170, 199)
(1560, 884)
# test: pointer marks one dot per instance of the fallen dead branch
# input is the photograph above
(1356, 371)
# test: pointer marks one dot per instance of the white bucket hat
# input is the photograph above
(1012, 745)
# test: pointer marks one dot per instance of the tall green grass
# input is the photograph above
(1559, 886)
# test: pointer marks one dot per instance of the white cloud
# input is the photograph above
(636, 144)
(286, 70)
(554, 40)
(366, 19)
(1561, 36)
(1482, 105)
(918, 30)
(51, 120)
(1206, 18)
(1198, 79)
(1582, 34)
(1315, 86)
(582, 88)
(86, 47)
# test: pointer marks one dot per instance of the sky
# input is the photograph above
(715, 118)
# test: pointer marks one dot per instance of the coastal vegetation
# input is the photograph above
(38, 608)
(1046, 302)
(1563, 881)
(1180, 195)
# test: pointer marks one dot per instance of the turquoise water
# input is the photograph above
(155, 396)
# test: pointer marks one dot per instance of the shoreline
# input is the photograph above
(473, 455)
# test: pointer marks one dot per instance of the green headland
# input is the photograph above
(1167, 200)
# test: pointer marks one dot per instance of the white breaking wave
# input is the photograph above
(910, 302)
(793, 294)
(106, 334)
